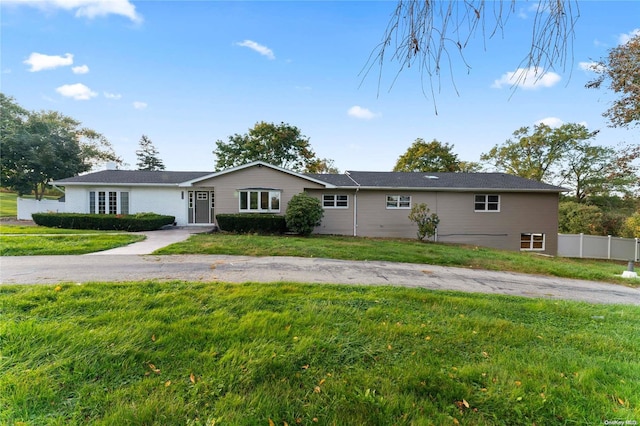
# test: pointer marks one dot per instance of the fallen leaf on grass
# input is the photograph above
(271, 423)
(192, 378)
(153, 337)
(154, 369)
(58, 288)
(167, 383)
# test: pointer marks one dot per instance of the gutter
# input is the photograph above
(355, 205)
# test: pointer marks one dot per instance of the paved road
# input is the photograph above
(109, 267)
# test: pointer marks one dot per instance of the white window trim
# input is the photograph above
(107, 200)
(531, 241)
(334, 201)
(486, 203)
(398, 206)
(259, 209)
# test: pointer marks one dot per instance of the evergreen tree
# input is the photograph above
(148, 155)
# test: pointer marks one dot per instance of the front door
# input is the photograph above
(201, 207)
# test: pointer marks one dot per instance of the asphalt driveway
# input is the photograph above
(212, 268)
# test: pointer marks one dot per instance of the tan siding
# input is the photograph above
(226, 186)
(519, 212)
(336, 221)
(459, 223)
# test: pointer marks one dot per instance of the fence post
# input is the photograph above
(581, 243)
(637, 245)
(609, 247)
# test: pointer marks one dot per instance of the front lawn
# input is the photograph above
(18, 240)
(259, 354)
(402, 250)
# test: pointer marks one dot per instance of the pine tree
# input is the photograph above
(148, 155)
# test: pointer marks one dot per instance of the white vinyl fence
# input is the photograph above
(594, 247)
(29, 206)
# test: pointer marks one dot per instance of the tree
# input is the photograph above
(631, 228)
(37, 147)
(427, 223)
(278, 144)
(422, 33)
(621, 68)
(148, 155)
(577, 218)
(537, 155)
(322, 165)
(592, 170)
(431, 156)
(304, 213)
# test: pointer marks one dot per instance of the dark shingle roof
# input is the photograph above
(350, 179)
(133, 177)
(438, 181)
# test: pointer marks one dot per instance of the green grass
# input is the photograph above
(38, 241)
(36, 245)
(8, 204)
(200, 354)
(402, 250)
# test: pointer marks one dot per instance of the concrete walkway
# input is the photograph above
(155, 240)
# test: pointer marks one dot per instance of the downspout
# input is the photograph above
(355, 205)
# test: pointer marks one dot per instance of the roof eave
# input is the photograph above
(254, 164)
(450, 189)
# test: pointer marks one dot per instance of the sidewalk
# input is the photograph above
(155, 240)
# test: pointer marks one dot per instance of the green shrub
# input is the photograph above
(427, 224)
(104, 222)
(249, 223)
(304, 213)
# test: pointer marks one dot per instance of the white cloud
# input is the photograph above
(527, 79)
(555, 122)
(112, 95)
(263, 50)
(39, 61)
(624, 38)
(550, 121)
(81, 69)
(77, 91)
(139, 105)
(362, 113)
(86, 8)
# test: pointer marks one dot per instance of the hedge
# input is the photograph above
(105, 222)
(248, 223)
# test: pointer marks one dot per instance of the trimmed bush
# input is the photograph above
(304, 213)
(104, 222)
(250, 223)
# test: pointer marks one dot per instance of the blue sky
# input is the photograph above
(189, 73)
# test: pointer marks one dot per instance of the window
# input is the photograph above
(259, 201)
(124, 203)
(531, 241)
(108, 202)
(335, 201)
(113, 202)
(101, 203)
(487, 203)
(398, 201)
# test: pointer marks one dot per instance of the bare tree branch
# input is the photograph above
(427, 33)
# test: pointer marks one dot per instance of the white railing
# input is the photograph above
(595, 247)
(29, 206)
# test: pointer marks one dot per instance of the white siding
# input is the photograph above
(161, 200)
